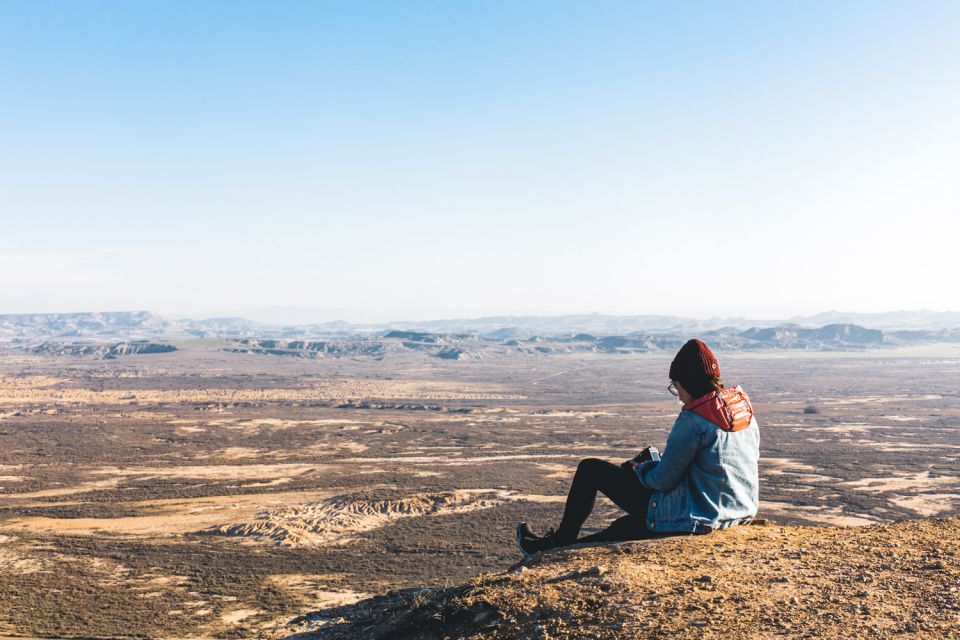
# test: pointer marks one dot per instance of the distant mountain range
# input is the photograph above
(455, 338)
(891, 320)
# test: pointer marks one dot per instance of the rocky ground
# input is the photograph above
(764, 580)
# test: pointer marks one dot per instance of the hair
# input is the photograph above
(702, 385)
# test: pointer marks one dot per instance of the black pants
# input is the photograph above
(622, 487)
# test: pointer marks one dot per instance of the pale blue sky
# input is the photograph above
(466, 158)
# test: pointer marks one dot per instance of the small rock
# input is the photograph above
(705, 578)
(596, 572)
(483, 616)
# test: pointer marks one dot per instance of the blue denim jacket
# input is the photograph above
(706, 479)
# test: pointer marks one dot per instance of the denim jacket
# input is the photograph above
(706, 479)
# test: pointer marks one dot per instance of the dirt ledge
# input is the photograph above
(882, 581)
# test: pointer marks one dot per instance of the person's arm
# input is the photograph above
(682, 446)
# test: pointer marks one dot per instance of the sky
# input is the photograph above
(389, 160)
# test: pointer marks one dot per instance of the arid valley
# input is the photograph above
(209, 493)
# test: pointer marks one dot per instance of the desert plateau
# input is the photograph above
(205, 491)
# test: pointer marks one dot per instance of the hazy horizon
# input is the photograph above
(460, 160)
(292, 316)
(413, 314)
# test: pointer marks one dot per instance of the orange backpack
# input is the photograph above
(729, 409)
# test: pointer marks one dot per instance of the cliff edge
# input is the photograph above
(764, 580)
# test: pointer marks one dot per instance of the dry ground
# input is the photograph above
(208, 494)
(879, 581)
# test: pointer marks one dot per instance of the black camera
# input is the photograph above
(650, 453)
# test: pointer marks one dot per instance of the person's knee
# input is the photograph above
(589, 466)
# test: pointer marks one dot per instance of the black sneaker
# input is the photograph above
(530, 544)
(524, 538)
(524, 533)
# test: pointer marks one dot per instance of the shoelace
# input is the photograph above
(549, 534)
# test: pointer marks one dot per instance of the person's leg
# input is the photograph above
(628, 527)
(617, 483)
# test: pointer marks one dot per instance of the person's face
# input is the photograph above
(682, 394)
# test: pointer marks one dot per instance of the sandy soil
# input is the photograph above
(339, 519)
(930, 504)
(335, 520)
(38, 389)
(899, 481)
(830, 516)
(166, 517)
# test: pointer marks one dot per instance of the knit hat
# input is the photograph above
(694, 364)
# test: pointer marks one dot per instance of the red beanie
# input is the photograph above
(694, 364)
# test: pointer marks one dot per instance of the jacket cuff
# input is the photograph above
(643, 467)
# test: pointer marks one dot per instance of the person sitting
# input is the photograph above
(706, 479)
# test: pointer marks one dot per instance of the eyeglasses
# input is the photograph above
(673, 390)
